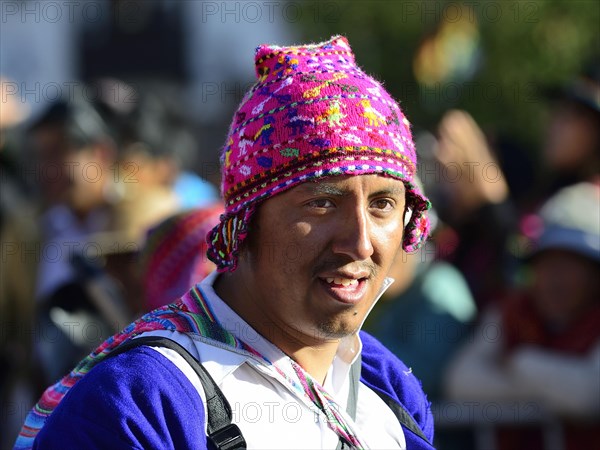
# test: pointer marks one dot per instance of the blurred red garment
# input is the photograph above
(522, 325)
(174, 257)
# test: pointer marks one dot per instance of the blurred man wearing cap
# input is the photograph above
(318, 173)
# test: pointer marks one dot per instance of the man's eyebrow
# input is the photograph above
(330, 189)
(389, 191)
(323, 189)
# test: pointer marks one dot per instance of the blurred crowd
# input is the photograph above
(103, 218)
(499, 314)
(100, 221)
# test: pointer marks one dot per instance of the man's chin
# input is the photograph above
(336, 329)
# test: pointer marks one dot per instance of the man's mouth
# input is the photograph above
(345, 289)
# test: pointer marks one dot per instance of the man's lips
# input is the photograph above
(343, 289)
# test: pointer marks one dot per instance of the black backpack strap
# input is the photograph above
(405, 419)
(222, 434)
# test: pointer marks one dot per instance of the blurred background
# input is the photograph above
(113, 114)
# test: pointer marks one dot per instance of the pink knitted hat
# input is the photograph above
(313, 113)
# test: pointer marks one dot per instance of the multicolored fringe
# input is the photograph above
(417, 230)
(225, 239)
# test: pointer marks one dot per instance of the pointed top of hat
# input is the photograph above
(271, 59)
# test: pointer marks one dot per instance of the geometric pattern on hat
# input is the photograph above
(313, 113)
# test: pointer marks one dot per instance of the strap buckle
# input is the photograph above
(227, 438)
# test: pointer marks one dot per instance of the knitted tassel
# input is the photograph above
(225, 239)
(417, 230)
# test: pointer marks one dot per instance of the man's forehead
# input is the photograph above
(339, 185)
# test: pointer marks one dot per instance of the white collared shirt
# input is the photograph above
(267, 410)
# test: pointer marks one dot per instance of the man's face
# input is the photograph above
(317, 255)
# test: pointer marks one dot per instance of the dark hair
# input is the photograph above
(162, 131)
(84, 120)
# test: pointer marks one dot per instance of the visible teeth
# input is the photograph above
(342, 281)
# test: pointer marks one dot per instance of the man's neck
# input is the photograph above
(313, 354)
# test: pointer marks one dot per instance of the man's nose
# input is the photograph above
(354, 236)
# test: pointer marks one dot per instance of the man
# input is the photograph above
(313, 221)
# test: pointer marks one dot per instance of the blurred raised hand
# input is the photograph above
(471, 172)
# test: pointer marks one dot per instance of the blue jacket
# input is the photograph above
(146, 402)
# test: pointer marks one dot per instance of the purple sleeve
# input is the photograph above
(136, 400)
(382, 371)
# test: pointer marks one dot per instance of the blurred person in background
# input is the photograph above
(101, 207)
(106, 292)
(71, 150)
(75, 150)
(77, 252)
(548, 350)
(159, 149)
(571, 150)
(173, 258)
(66, 166)
(126, 238)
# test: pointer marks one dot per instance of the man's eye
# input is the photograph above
(383, 204)
(320, 203)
